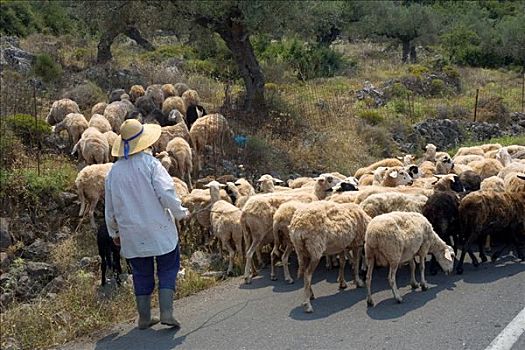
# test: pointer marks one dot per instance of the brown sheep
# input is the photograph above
(173, 102)
(135, 92)
(99, 108)
(389, 162)
(180, 152)
(191, 97)
(59, 110)
(168, 90)
(90, 188)
(75, 124)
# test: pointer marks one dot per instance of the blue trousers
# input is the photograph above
(144, 275)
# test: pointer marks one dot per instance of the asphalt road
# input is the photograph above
(457, 312)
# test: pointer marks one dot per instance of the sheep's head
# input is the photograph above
(448, 182)
(399, 177)
(407, 159)
(215, 185)
(445, 257)
(503, 156)
(266, 182)
(326, 182)
(430, 152)
(175, 117)
(413, 171)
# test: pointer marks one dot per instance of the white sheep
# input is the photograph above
(90, 188)
(381, 203)
(489, 147)
(396, 176)
(267, 184)
(514, 167)
(431, 153)
(116, 113)
(240, 191)
(514, 182)
(389, 162)
(475, 150)
(464, 160)
(225, 221)
(180, 152)
(486, 168)
(396, 238)
(168, 133)
(59, 110)
(99, 108)
(257, 215)
(212, 129)
(75, 124)
(325, 227)
(504, 157)
(180, 187)
(93, 147)
(100, 122)
(493, 183)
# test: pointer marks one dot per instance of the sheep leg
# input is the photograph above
(260, 260)
(424, 285)
(356, 254)
(413, 281)
(189, 181)
(287, 277)
(328, 262)
(392, 282)
(273, 255)
(308, 292)
(370, 263)
(238, 248)
(341, 277)
(231, 255)
(249, 261)
(92, 206)
(481, 247)
(82, 203)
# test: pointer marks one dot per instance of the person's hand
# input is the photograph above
(188, 216)
(116, 240)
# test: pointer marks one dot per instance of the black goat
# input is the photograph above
(194, 112)
(109, 254)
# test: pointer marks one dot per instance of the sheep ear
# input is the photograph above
(448, 255)
(393, 174)
(521, 177)
(399, 157)
(222, 185)
(279, 181)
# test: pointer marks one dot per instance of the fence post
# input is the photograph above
(33, 84)
(523, 92)
(476, 105)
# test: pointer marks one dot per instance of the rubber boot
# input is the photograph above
(166, 308)
(144, 309)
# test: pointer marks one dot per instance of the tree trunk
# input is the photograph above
(133, 33)
(406, 50)
(236, 37)
(413, 55)
(104, 46)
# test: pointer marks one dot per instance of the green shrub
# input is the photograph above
(370, 116)
(398, 90)
(451, 72)
(378, 139)
(25, 127)
(86, 95)
(417, 70)
(165, 52)
(46, 68)
(203, 67)
(437, 87)
(10, 148)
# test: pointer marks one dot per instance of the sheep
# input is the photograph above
(381, 203)
(327, 228)
(225, 221)
(135, 92)
(486, 168)
(174, 102)
(396, 238)
(482, 213)
(115, 95)
(109, 254)
(389, 162)
(158, 117)
(111, 137)
(443, 164)
(93, 147)
(145, 105)
(359, 196)
(475, 150)
(59, 110)
(493, 183)
(98, 108)
(464, 160)
(212, 129)
(442, 211)
(516, 151)
(180, 88)
(239, 191)
(427, 168)
(459, 169)
(504, 157)
(514, 182)
(116, 113)
(514, 167)
(470, 180)
(396, 177)
(180, 187)
(378, 176)
(257, 215)
(368, 179)
(448, 182)
(489, 147)
(100, 122)
(180, 152)
(193, 113)
(155, 92)
(190, 97)
(90, 188)
(431, 153)
(300, 182)
(75, 124)
(266, 184)
(168, 90)
(170, 132)
(408, 159)
(165, 159)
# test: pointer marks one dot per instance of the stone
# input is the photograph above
(66, 199)
(56, 285)
(5, 237)
(40, 271)
(14, 57)
(6, 299)
(5, 260)
(85, 262)
(373, 93)
(200, 261)
(38, 250)
(11, 344)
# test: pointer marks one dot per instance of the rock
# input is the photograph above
(370, 92)
(200, 261)
(107, 77)
(483, 131)
(67, 199)
(6, 299)
(5, 237)
(115, 95)
(5, 279)
(85, 262)
(14, 57)
(38, 250)
(4, 261)
(40, 271)
(444, 133)
(56, 285)
(11, 344)
(216, 274)
(63, 233)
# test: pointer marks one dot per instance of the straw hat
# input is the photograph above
(135, 137)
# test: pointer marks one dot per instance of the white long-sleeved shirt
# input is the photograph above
(139, 193)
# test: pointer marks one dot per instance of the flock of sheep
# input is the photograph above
(387, 214)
